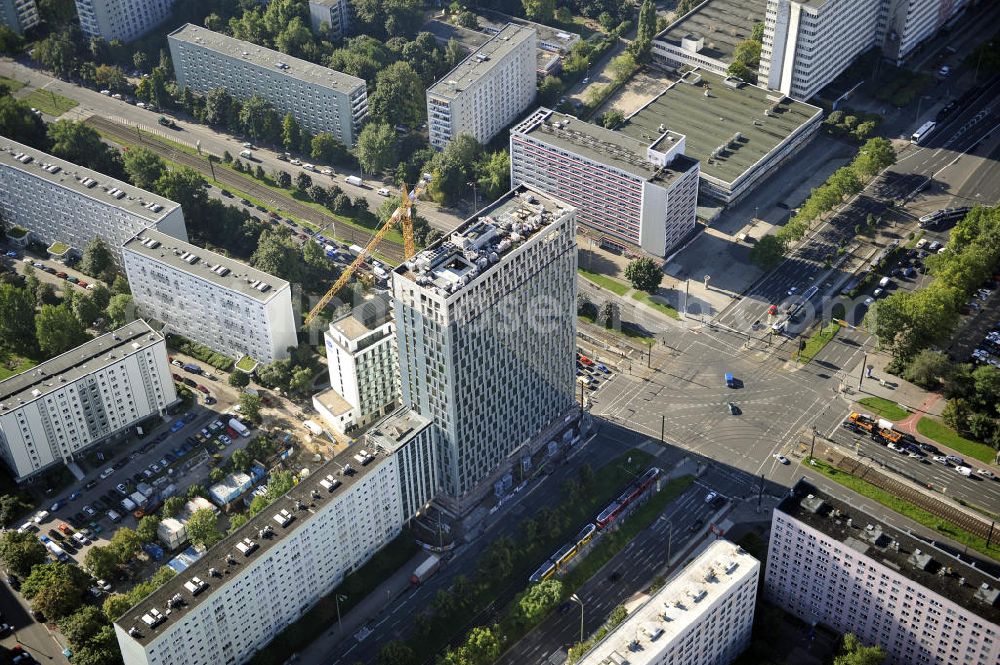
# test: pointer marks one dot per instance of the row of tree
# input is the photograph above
(746, 55)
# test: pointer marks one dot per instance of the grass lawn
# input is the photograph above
(19, 365)
(49, 102)
(11, 84)
(907, 509)
(246, 363)
(661, 307)
(817, 341)
(884, 408)
(946, 436)
(605, 282)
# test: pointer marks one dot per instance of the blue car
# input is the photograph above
(74, 496)
(11, 254)
(177, 426)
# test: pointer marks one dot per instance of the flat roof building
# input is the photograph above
(738, 132)
(644, 193)
(320, 98)
(489, 311)
(19, 15)
(485, 92)
(209, 298)
(703, 616)
(89, 395)
(124, 20)
(58, 201)
(830, 563)
(334, 13)
(706, 36)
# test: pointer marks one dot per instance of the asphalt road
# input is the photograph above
(33, 637)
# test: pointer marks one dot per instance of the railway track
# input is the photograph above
(223, 177)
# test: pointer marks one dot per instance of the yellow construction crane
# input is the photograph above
(403, 214)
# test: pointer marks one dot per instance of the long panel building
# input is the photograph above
(641, 193)
(703, 616)
(832, 564)
(255, 582)
(19, 15)
(58, 201)
(485, 92)
(486, 327)
(209, 298)
(86, 396)
(124, 20)
(320, 98)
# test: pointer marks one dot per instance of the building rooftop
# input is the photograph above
(85, 359)
(171, 602)
(444, 32)
(89, 183)
(480, 61)
(268, 58)
(672, 609)
(728, 130)
(209, 266)
(721, 23)
(606, 146)
(965, 580)
(396, 429)
(549, 38)
(333, 402)
(482, 241)
(364, 319)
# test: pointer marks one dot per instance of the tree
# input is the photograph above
(982, 426)
(240, 460)
(116, 605)
(85, 309)
(97, 258)
(740, 71)
(143, 166)
(239, 379)
(11, 43)
(376, 149)
(11, 506)
(493, 175)
(83, 625)
(146, 529)
(19, 123)
(303, 181)
(81, 144)
(540, 11)
(250, 407)
(278, 255)
(58, 330)
(101, 561)
(283, 178)
(57, 52)
(185, 186)
(202, 528)
(396, 653)
(612, 119)
(172, 506)
(768, 251)
(928, 369)
(125, 543)
(955, 414)
(120, 310)
(21, 551)
(644, 274)
(623, 65)
(986, 379)
(538, 600)
(55, 589)
(279, 484)
(610, 313)
(398, 96)
(219, 108)
(647, 21)
(290, 132)
(17, 318)
(258, 118)
(482, 646)
(195, 490)
(325, 148)
(854, 652)
(237, 521)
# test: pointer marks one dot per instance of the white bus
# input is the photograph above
(922, 133)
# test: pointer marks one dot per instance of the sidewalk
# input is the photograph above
(916, 400)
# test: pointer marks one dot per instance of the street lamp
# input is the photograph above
(338, 598)
(576, 599)
(475, 196)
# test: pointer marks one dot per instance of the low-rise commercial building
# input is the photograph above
(19, 15)
(706, 36)
(58, 201)
(832, 564)
(487, 91)
(739, 133)
(703, 616)
(209, 298)
(172, 531)
(638, 192)
(124, 20)
(320, 98)
(84, 397)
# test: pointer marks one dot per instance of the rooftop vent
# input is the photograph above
(247, 546)
(89, 183)
(189, 258)
(221, 270)
(284, 518)
(330, 483)
(153, 618)
(151, 243)
(195, 585)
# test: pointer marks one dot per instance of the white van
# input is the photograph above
(382, 191)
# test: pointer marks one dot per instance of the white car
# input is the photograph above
(985, 473)
(309, 167)
(141, 105)
(868, 301)
(295, 162)
(782, 459)
(116, 96)
(941, 459)
(40, 516)
(176, 362)
(877, 293)
(327, 171)
(711, 496)
(248, 146)
(106, 93)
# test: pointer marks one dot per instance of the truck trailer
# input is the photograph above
(425, 570)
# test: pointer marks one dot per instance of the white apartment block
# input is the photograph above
(487, 91)
(86, 396)
(832, 564)
(638, 193)
(335, 13)
(706, 36)
(703, 616)
(250, 586)
(125, 20)
(485, 329)
(320, 98)
(910, 22)
(19, 15)
(363, 365)
(58, 201)
(209, 298)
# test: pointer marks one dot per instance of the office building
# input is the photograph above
(641, 193)
(58, 201)
(87, 396)
(739, 133)
(830, 563)
(706, 36)
(486, 328)
(487, 91)
(19, 15)
(334, 13)
(363, 365)
(251, 585)
(124, 20)
(320, 98)
(703, 616)
(209, 298)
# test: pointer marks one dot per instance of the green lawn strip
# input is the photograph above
(938, 431)
(907, 509)
(817, 341)
(20, 365)
(605, 282)
(183, 147)
(323, 615)
(11, 84)
(246, 363)
(660, 307)
(884, 408)
(49, 102)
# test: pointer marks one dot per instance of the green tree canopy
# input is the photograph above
(55, 589)
(144, 167)
(17, 319)
(377, 146)
(644, 274)
(146, 529)
(172, 506)
(57, 330)
(203, 528)
(541, 11)
(398, 96)
(120, 310)
(21, 551)
(291, 133)
(97, 258)
(538, 600)
(82, 626)
(854, 652)
(101, 561)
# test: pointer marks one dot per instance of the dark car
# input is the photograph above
(615, 576)
(91, 484)
(226, 193)
(246, 202)
(930, 448)
(565, 607)
(14, 581)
